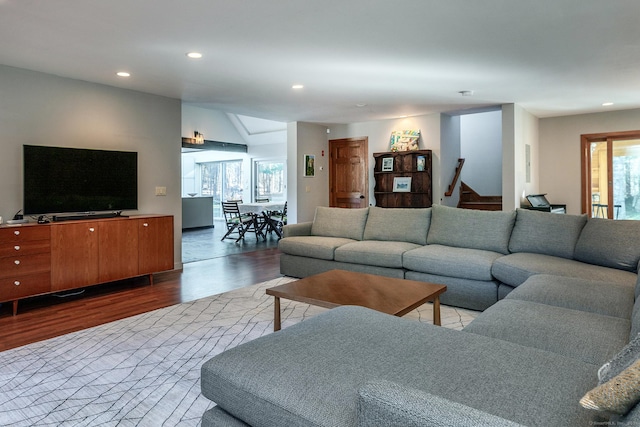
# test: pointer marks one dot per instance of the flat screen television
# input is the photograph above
(76, 180)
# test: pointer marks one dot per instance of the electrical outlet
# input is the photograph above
(161, 191)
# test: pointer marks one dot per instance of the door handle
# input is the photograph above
(361, 196)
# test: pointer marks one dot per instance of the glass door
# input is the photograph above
(612, 168)
(223, 181)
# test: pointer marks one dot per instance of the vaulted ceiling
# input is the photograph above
(358, 60)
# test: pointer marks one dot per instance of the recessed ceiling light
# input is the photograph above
(607, 104)
(360, 105)
(297, 86)
(194, 55)
(123, 74)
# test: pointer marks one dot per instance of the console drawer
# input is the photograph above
(22, 234)
(24, 286)
(25, 265)
(24, 248)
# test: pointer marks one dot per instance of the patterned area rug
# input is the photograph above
(145, 370)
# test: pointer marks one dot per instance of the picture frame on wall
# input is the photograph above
(402, 184)
(387, 164)
(309, 165)
(421, 161)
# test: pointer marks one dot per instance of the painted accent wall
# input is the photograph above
(43, 109)
(560, 151)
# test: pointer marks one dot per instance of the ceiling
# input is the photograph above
(358, 60)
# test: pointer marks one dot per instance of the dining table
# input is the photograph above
(262, 209)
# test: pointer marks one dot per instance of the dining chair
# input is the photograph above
(236, 222)
(264, 200)
(277, 220)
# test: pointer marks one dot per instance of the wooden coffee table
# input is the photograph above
(338, 287)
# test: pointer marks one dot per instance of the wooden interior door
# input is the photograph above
(349, 173)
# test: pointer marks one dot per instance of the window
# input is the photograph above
(270, 180)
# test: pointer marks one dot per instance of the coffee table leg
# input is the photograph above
(276, 314)
(436, 311)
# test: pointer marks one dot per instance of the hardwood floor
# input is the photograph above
(49, 316)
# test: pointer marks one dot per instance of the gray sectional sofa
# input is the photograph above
(480, 255)
(559, 294)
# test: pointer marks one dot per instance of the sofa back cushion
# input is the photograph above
(546, 233)
(610, 243)
(398, 224)
(339, 222)
(473, 229)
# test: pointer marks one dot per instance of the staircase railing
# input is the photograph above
(456, 176)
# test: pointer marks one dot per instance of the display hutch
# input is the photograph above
(403, 179)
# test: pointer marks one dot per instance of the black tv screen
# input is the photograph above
(76, 180)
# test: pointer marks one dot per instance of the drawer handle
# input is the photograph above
(17, 283)
(145, 224)
(92, 229)
(17, 233)
(17, 262)
(17, 248)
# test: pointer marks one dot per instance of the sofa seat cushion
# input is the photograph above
(588, 337)
(609, 299)
(472, 294)
(450, 261)
(474, 229)
(339, 222)
(310, 373)
(373, 252)
(541, 233)
(398, 224)
(610, 243)
(514, 269)
(312, 246)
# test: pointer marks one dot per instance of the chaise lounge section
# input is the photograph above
(565, 318)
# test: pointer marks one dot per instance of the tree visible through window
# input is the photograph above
(270, 180)
(223, 181)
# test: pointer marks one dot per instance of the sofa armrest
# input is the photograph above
(300, 229)
(389, 404)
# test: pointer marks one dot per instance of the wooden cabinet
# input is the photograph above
(413, 166)
(39, 259)
(118, 250)
(155, 247)
(74, 254)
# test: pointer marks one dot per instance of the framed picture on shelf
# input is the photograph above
(402, 184)
(420, 163)
(309, 165)
(387, 164)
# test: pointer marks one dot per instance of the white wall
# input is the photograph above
(213, 124)
(218, 126)
(42, 109)
(449, 155)
(519, 128)
(481, 147)
(379, 134)
(560, 151)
